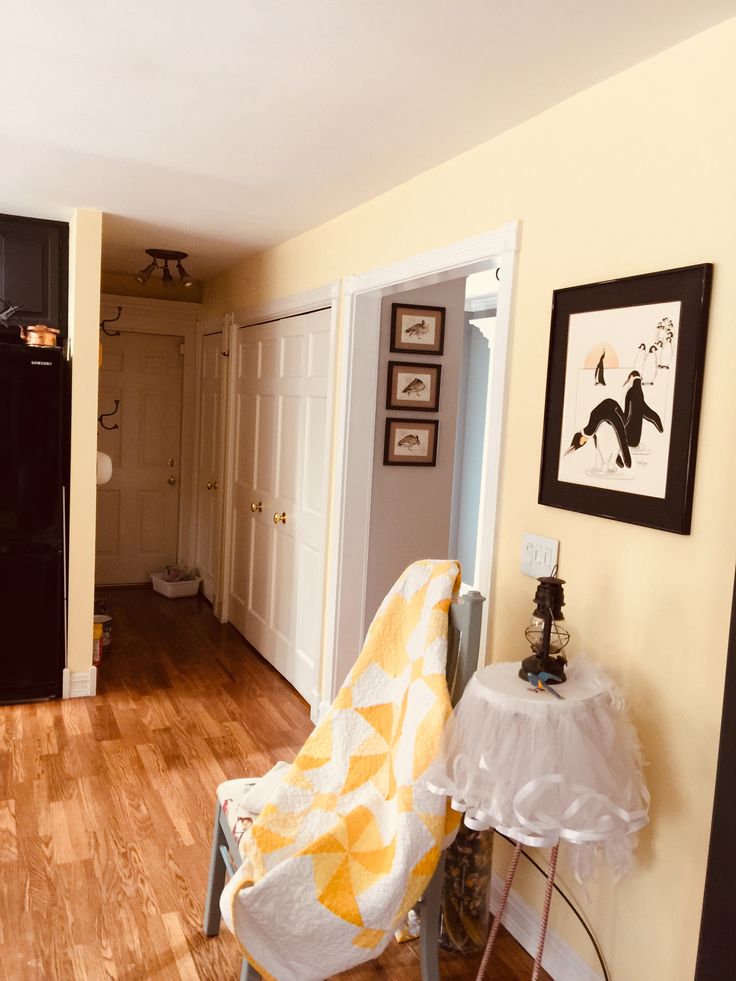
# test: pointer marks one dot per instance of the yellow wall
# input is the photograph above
(633, 175)
(85, 243)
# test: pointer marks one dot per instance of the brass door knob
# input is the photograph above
(209, 485)
(171, 462)
(214, 485)
(279, 519)
(256, 506)
(172, 481)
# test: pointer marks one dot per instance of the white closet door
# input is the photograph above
(208, 470)
(138, 510)
(280, 462)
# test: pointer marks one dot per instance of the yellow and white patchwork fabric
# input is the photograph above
(350, 839)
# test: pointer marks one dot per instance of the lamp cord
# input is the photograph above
(606, 975)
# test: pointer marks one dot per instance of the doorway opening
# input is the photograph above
(351, 585)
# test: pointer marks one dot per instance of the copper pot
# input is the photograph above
(39, 335)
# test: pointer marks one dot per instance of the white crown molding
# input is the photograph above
(289, 306)
(523, 922)
(79, 684)
(486, 303)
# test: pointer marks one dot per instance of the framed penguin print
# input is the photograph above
(624, 383)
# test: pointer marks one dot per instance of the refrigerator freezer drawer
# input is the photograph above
(31, 626)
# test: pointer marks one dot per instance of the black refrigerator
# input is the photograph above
(33, 476)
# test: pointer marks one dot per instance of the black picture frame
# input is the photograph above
(669, 310)
(422, 332)
(421, 454)
(420, 393)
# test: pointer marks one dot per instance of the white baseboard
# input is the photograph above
(78, 684)
(522, 922)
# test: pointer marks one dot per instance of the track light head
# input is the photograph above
(186, 279)
(145, 274)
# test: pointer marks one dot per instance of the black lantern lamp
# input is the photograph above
(545, 633)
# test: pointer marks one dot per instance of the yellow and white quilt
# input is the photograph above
(350, 839)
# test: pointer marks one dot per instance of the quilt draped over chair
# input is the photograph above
(351, 837)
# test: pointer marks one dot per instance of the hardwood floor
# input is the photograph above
(106, 806)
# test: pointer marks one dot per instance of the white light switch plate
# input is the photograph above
(539, 555)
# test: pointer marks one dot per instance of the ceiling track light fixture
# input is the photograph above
(160, 259)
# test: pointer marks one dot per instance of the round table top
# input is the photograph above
(500, 684)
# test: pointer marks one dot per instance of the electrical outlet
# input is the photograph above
(539, 555)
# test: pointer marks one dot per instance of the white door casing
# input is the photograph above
(281, 424)
(138, 510)
(208, 475)
(355, 415)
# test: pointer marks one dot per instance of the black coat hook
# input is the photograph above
(105, 415)
(111, 320)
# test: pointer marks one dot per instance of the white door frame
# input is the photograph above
(347, 559)
(294, 305)
(171, 317)
(214, 325)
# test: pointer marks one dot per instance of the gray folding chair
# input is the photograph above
(462, 661)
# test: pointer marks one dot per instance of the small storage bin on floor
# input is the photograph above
(174, 590)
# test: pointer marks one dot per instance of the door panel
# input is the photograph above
(207, 554)
(138, 510)
(280, 460)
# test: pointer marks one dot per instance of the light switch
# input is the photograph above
(539, 555)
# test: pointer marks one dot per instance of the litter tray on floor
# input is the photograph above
(174, 590)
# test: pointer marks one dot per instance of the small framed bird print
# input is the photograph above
(624, 385)
(413, 386)
(410, 443)
(417, 329)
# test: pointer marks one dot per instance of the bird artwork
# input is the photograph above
(415, 388)
(418, 329)
(636, 411)
(606, 426)
(543, 682)
(409, 442)
(600, 378)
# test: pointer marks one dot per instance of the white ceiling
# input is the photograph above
(223, 127)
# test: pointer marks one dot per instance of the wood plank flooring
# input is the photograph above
(106, 806)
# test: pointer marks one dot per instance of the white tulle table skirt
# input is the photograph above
(541, 769)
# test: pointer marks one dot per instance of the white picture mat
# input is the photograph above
(404, 378)
(620, 331)
(419, 449)
(425, 338)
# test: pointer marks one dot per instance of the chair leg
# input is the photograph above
(249, 973)
(216, 879)
(429, 929)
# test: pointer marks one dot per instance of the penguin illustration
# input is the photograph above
(665, 357)
(599, 377)
(636, 411)
(641, 353)
(649, 368)
(607, 428)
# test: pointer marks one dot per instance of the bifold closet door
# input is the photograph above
(208, 470)
(279, 492)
